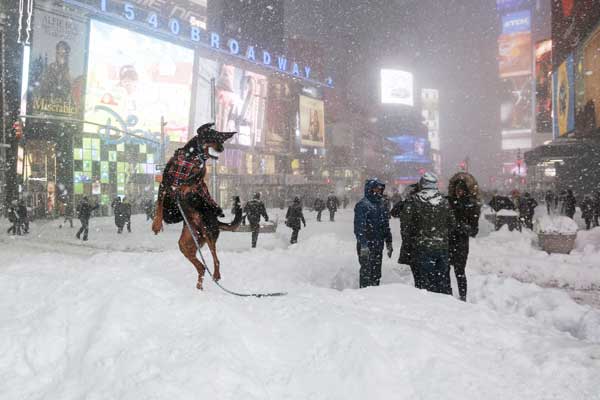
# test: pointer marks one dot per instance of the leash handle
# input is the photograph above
(195, 238)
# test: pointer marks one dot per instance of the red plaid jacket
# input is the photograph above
(181, 170)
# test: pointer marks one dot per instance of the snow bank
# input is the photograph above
(556, 224)
(80, 322)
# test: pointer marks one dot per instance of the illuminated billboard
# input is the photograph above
(241, 104)
(410, 149)
(430, 110)
(134, 79)
(564, 97)
(503, 5)
(312, 122)
(57, 65)
(543, 86)
(516, 22)
(397, 87)
(591, 73)
(514, 52)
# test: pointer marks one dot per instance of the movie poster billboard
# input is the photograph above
(241, 104)
(410, 149)
(514, 45)
(515, 109)
(430, 110)
(133, 80)
(57, 65)
(591, 73)
(397, 87)
(543, 86)
(281, 105)
(564, 98)
(312, 122)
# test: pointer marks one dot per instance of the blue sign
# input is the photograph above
(410, 149)
(196, 36)
(503, 5)
(516, 22)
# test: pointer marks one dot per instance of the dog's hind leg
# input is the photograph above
(212, 246)
(188, 249)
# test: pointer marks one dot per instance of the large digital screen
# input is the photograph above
(543, 86)
(431, 114)
(410, 149)
(503, 5)
(397, 87)
(57, 65)
(514, 52)
(312, 122)
(516, 22)
(591, 73)
(133, 80)
(516, 109)
(241, 104)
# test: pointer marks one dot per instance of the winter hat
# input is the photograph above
(257, 195)
(428, 181)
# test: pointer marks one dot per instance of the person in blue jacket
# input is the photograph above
(372, 231)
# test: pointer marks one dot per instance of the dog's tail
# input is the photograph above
(233, 225)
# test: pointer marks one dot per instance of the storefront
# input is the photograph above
(132, 85)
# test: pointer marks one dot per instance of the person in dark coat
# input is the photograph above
(68, 207)
(596, 209)
(118, 212)
(236, 208)
(527, 207)
(372, 231)
(407, 247)
(332, 205)
(13, 218)
(587, 211)
(149, 209)
(84, 212)
(23, 217)
(255, 209)
(430, 221)
(569, 204)
(397, 197)
(550, 200)
(466, 210)
(293, 217)
(319, 206)
(345, 201)
(126, 212)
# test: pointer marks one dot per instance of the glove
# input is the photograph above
(364, 252)
(390, 250)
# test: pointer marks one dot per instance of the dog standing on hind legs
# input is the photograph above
(183, 183)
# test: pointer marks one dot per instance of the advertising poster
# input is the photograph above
(591, 73)
(516, 97)
(431, 114)
(543, 86)
(134, 79)
(410, 149)
(312, 122)
(564, 98)
(241, 104)
(514, 53)
(281, 106)
(503, 5)
(516, 22)
(397, 87)
(57, 65)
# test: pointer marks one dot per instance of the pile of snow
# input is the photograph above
(556, 225)
(87, 322)
(507, 213)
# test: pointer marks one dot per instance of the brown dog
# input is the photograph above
(183, 182)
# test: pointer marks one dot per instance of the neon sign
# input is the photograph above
(196, 36)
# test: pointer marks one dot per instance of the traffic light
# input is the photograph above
(18, 127)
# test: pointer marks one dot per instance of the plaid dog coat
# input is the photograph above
(182, 169)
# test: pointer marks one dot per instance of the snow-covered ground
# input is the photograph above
(119, 317)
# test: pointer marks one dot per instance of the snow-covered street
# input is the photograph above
(118, 317)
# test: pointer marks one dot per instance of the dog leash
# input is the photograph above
(195, 238)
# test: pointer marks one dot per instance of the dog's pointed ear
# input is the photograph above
(205, 128)
(226, 135)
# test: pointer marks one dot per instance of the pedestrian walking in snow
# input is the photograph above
(84, 212)
(372, 231)
(13, 218)
(23, 216)
(596, 199)
(527, 207)
(255, 209)
(319, 206)
(293, 217)
(345, 201)
(126, 211)
(550, 199)
(408, 242)
(149, 209)
(587, 211)
(236, 208)
(430, 221)
(569, 204)
(118, 212)
(332, 205)
(68, 211)
(464, 202)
